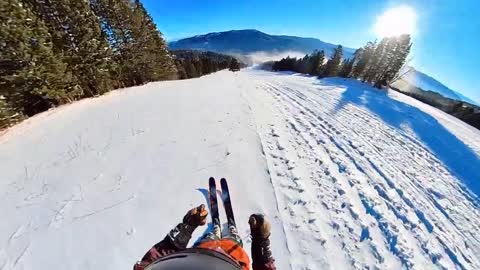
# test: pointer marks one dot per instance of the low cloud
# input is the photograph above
(262, 56)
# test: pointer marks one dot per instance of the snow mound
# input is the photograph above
(350, 177)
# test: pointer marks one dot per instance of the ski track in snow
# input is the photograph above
(343, 187)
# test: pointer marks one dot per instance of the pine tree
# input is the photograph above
(234, 65)
(8, 114)
(32, 77)
(399, 53)
(380, 63)
(191, 70)
(377, 61)
(157, 60)
(318, 63)
(116, 19)
(346, 68)
(364, 56)
(139, 48)
(182, 74)
(79, 38)
(302, 65)
(333, 64)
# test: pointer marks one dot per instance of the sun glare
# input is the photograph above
(396, 21)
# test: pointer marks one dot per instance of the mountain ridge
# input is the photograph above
(245, 44)
(253, 41)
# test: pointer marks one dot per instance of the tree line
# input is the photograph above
(192, 64)
(375, 63)
(467, 112)
(53, 52)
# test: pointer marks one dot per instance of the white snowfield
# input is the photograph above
(350, 177)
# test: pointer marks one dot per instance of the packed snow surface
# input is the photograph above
(350, 177)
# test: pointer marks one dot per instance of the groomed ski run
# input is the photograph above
(350, 177)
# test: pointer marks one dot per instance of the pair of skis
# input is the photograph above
(212, 188)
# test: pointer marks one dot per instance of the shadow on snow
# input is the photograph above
(461, 161)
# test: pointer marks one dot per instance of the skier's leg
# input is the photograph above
(213, 235)
(233, 235)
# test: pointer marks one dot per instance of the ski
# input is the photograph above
(227, 203)
(212, 190)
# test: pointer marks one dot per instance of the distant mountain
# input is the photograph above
(253, 46)
(427, 83)
(251, 41)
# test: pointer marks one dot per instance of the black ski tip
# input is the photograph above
(211, 179)
(223, 179)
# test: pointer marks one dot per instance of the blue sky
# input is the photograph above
(446, 42)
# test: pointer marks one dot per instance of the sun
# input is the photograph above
(396, 21)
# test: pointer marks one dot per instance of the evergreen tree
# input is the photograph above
(116, 20)
(234, 65)
(318, 63)
(303, 65)
(364, 56)
(399, 53)
(8, 114)
(191, 70)
(79, 38)
(346, 68)
(139, 48)
(191, 64)
(157, 60)
(32, 77)
(182, 73)
(377, 64)
(333, 64)
(377, 60)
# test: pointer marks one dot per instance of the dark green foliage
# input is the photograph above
(234, 65)
(32, 77)
(333, 64)
(310, 64)
(464, 111)
(192, 64)
(362, 57)
(317, 63)
(378, 64)
(56, 51)
(346, 68)
(8, 115)
(139, 49)
(79, 38)
(287, 63)
(398, 56)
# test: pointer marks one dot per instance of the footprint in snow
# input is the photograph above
(131, 231)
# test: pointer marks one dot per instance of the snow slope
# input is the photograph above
(351, 177)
